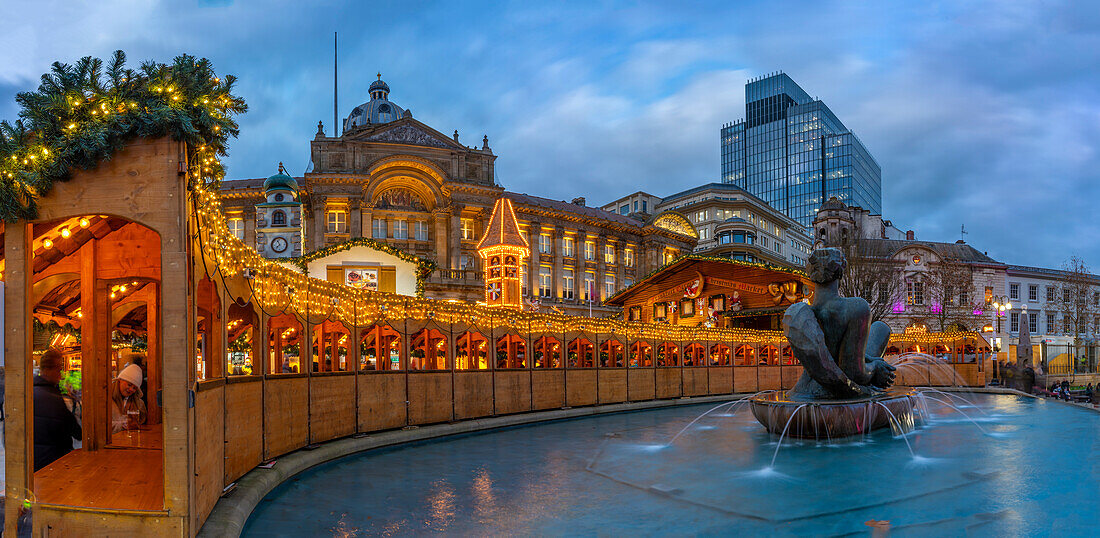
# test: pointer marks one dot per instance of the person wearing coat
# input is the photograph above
(128, 410)
(55, 427)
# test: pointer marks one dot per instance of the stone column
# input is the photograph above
(318, 224)
(557, 238)
(440, 237)
(355, 219)
(366, 215)
(456, 238)
(249, 216)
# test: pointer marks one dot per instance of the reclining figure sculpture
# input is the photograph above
(839, 348)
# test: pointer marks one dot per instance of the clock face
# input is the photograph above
(278, 244)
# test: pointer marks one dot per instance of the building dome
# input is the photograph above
(376, 111)
(832, 203)
(281, 180)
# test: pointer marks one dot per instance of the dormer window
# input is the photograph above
(278, 218)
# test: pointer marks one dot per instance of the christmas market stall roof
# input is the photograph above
(760, 286)
(503, 228)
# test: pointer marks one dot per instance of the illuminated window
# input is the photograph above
(609, 254)
(468, 229)
(567, 284)
(589, 285)
(337, 221)
(914, 292)
(567, 244)
(670, 255)
(988, 294)
(590, 250)
(523, 279)
(378, 229)
(236, 227)
(545, 277)
(608, 285)
(628, 257)
(421, 231)
(544, 243)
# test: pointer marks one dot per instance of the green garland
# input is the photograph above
(82, 114)
(720, 259)
(424, 266)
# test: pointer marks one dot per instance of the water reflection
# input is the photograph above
(567, 478)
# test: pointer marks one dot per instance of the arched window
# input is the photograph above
(471, 351)
(694, 355)
(581, 353)
(380, 348)
(278, 218)
(547, 352)
(719, 355)
(641, 355)
(745, 355)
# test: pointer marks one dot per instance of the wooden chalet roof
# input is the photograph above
(669, 282)
(503, 228)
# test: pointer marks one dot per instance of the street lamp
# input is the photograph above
(1000, 304)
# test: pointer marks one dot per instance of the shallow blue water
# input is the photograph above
(1026, 468)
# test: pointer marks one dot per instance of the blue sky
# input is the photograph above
(980, 113)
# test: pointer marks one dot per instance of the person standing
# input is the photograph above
(55, 427)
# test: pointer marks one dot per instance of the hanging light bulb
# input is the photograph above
(83, 222)
(65, 233)
(46, 243)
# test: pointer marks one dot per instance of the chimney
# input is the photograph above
(910, 236)
(578, 201)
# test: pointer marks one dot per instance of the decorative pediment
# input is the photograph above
(410, 133)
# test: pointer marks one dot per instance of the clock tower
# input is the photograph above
(279, 218)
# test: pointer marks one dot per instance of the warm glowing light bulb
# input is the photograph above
(83, 222)
(65, 233)
(122, 288)
(47, 243)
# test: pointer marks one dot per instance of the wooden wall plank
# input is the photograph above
(331, 407)
(580, 387)
(721, 380)
(473, 394)
(209, 450)
(244, 428)
(512, 392)
(382, 401)
(286, 419)
(668, 383)
(744, 379)
(770, 377)
(430, 398)
(642, 384)
(695, 381)
(612, 385)
(548, 388)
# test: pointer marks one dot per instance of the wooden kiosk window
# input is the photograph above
(720, 355)
(208, 342)
(581, 353)
(769, 355)
(428, 350)
(284, 344)
(641, 355)
(99, 277)
(471, 351)
(547, 352)
(511, 352)
(611, 354)
(331, 341)
(695, 355)
(745, 355)
(380, 349)
(788, 356)
(668, 354)
(244, 347)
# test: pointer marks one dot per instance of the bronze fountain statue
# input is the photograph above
(845, 384)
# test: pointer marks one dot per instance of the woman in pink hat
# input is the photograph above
(127, 408)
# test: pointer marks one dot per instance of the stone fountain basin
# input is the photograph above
(833, 419)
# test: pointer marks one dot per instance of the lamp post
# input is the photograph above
(1000, 304)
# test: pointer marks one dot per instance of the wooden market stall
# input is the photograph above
(715, 292)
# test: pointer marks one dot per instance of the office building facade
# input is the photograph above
(791, 151)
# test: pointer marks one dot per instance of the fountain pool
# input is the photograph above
(998, 465)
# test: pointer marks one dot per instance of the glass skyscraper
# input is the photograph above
(793, 152)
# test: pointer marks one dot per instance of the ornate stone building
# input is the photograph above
(401, 182)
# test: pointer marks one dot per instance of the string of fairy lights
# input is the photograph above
(280, 288)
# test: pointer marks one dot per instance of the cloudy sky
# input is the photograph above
(982, 113)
